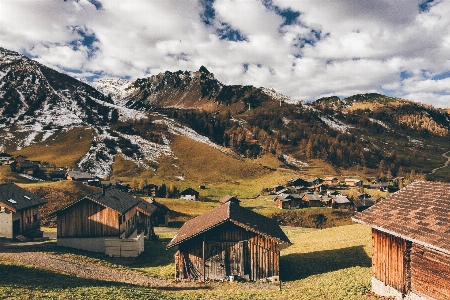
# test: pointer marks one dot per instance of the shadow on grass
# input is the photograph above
(301, 265)
(37, 279)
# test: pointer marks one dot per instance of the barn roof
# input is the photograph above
(234, 213)
(16, 198)
(189, 191)
(420, 213)
(112, 198)
(146, 207)
(228, 198)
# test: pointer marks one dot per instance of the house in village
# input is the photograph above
(228, 241)
(107, 221)
(340, 202)
(331, 181)
(229, 198)
(312, 200)
(275, 189)
(353, 182)
(362, 204)
(410, 242)
(19, 212)
(150, 190)
(5, 158)
(79, 176)
(189, 194)
(380, 186)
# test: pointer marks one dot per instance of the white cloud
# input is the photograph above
(363, 45)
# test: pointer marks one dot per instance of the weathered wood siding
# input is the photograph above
(88, 219)
(129, 223)
(227, 250)
(30, 219)
(389, 260)
(430, 272)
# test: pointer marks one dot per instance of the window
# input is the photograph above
(35, 218)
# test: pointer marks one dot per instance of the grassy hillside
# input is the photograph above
(64, 148)
(321, 264)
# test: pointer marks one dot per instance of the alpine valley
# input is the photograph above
(189, 127)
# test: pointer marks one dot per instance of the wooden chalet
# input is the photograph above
(79, 176)
(360, 205)
(229, 198)
(288, 201)
(275, 189)
(340, 202)
(380, 186)
(5, 157)
(19, 212)
(146, 218)
(298, 183)
(189, 194)
(353, 182)
(331, 181)
(228, 241)
(150, 190)
(411, 242)
(107, 214)
(312, 200)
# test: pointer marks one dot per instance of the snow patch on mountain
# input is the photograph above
(379, 122)
(335, 124)
(117, 88)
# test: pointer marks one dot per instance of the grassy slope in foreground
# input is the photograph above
(321, 264)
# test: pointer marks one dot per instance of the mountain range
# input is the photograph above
(138, 122)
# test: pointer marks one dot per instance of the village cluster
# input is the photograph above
(410, 245)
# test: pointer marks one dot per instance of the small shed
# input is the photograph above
(360, 205)
(331, 181)
(312, 200)
(106, 215)
(228, 241)
(189, 194)
(340, 202)
(410, 242)
(353, 182)
(19, 212)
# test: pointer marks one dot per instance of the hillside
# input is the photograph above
(166, 126)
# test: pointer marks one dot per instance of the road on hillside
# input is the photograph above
(445, 165)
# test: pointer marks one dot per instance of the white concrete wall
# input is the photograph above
(6, 225)
(188, 197)
(89, 244)
(130, 247)
(381, 289)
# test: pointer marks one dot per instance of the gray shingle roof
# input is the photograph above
(112, 198)
(17, 198)
(420, 212)
(146, 207)
(230, 212)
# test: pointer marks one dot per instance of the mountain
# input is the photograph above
(123, 128)
(196, 90)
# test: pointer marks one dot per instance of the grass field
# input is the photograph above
(332, 263)
(64, 148)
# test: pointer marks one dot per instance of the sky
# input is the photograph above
(304, 49)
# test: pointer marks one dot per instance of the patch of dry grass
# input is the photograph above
(64, 148)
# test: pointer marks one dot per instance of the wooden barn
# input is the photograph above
(411, 242)
(19, 212)
(228, 241)
(189, 194)
(107, 214)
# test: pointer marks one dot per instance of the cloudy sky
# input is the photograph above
(305, 49)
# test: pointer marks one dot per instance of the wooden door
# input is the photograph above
(16, 227)
(215, 261)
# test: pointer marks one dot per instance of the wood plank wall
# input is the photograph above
(88, 219)
(430, 272)
(389, 262)
(27, 221)
(242, 252)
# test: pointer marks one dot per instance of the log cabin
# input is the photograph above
(228, 241)
(19, 212)
(106, 215)
(189, 194)
(411, 242)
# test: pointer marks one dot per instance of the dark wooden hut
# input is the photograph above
(19, 212)
(228, 241)
(411, 242)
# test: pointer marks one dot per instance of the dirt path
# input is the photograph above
(32, 254)
(445, 165)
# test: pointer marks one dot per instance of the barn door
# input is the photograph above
(235, 255)
(16, 227)
(215, 261)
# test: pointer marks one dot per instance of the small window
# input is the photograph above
(35, 218)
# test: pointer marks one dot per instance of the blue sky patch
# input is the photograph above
(208, 14)
(226, 32)
(441, 76)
